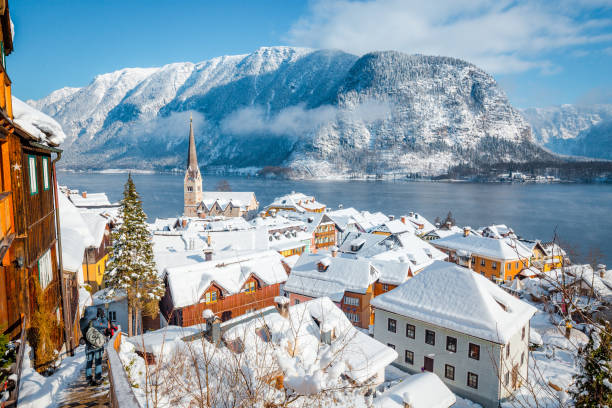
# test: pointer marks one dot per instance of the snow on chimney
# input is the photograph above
(334, 251)
(601, 268)
(403, 219)
(407, 399)
(391, 217)
(208, 255)
(282, 305)
(466, 231)
(84, 194)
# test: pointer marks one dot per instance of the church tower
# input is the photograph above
(193, 179)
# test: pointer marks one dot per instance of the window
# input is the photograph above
(430, 337)
(353, 317)
(391, 345)
(494, 265)
(297, 302)
(385, 287)
(449, 372)
(409, 357)
(522, 358)
(517, 265)
(264, 333)
(32, 174)
(410, 331)
(474, 351)
(45, 173)
(189, 188)
(523, 334)
(451, 344)
(249, 287)
(482, 262)
(508, 351)
(211, 297)
(352, 301)
(391, 323)
(45, 269)
(473, 260)
(507, 378)
(472, 380)
(112, 316)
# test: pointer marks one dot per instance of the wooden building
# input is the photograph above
(31, 260)
(229, 287)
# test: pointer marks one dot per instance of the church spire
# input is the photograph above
(192, 157)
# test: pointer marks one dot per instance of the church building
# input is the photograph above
(199, 203)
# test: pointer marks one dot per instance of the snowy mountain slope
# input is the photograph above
(318, 112)
(562, 128)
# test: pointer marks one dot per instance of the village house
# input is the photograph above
(320, 227)
(198, 203)
(422, 225)
(393, 227)
(228, 286)
(348, 282)
(296, 202)
(460, 326)
(350, 220)
(443, 231)
(497, 259)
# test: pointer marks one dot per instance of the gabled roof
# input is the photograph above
(394, 227)
(188, 283)
(240, 199)
(503, 249)
(418, 219)
(453, 297)
(298, 201)
(342, 274)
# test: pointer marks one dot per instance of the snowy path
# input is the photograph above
(79, 394)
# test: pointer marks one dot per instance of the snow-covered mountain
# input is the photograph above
(317, 112)
(582, 130)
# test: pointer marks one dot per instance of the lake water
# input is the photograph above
(579, 213)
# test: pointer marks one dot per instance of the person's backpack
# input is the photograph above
(94, 337)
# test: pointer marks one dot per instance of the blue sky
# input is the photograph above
(542, 53)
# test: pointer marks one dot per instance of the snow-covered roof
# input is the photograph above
(364, 220)
(90, 199)
(424, 390)
(601, 287)
(453, 297)
(351, 352)
(96, 224)
(37, 124)
(342, 274)
(187, 283)
(241, 199)
(418, 220)
(394, 227)
(108, 295)
(363, 244)
(497, 231)
(76, 236)
(391, 272)
(85, 299)
(444, 232)
(504, 248)
(413, 250)
(297, 201)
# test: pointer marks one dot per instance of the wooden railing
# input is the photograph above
(121, 392)
(6, 219)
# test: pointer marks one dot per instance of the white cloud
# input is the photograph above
(500, 36)
(163, 129)
(297, 120)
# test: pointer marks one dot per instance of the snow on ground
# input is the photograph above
(37, 391)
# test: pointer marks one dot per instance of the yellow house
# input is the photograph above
(96, 256)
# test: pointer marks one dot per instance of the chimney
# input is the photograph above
(466, 231)
(213, 326)
(449, 224)
(391, 217)
(403, 219)
(262, 214)
(84, 194)
(184, 223)
(340, 206)
(407, 399)
(327, 333)
(411, 214)
(208, 255)
(208, 240)
(334, 251)
(282, 306)
(601, 268)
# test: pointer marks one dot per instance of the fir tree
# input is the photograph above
(132, 267)
(593, 385)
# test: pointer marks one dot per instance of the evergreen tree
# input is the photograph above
(593, 385)
(132, 267)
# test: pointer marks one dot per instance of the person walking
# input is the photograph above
(94, 327)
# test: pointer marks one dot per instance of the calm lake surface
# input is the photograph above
(579, 213)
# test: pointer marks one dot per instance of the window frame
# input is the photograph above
(433, 336)
(45, 173)
(474, 380)
(48, 274)
(451, 341)
(494, 264)
(446, 367)
(389, 325)
(475, 347)
(482, 262)
(412, 329)
(411, 353)
(33, 173)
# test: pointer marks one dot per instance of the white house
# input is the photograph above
(457, 324)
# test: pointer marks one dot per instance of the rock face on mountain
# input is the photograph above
(317, 112)
(582, 130)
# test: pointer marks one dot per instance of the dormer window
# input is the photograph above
(323, 264)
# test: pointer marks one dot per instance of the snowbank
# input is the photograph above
(37, 391)
(39, 125)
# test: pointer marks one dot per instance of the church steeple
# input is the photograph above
(192, 157)
(193, 178)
